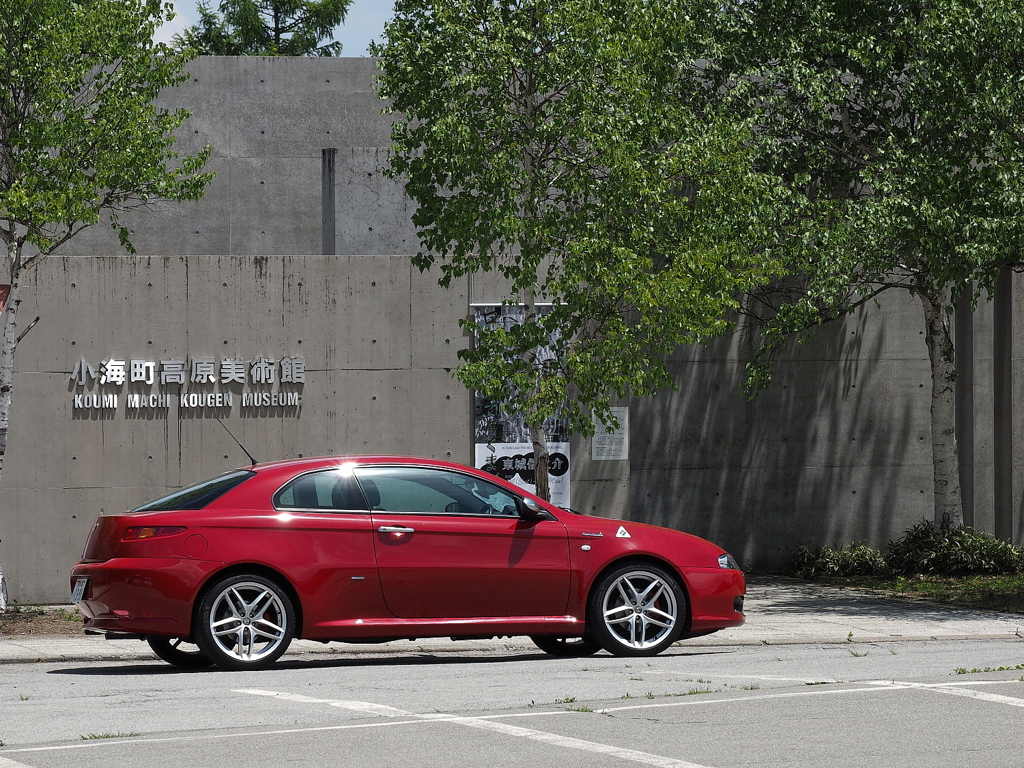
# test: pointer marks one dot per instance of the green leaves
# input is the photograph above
(575, 148)
(266, 28)
(79, 133)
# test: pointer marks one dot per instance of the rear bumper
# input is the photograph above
(147, 596)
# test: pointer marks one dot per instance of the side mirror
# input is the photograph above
(530, 509)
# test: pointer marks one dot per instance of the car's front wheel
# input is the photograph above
(638, 609)
(179, 652)
(566, 647)
(245, 621)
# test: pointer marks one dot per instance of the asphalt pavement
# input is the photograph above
(779, 612)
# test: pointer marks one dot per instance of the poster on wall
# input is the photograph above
(502, 440)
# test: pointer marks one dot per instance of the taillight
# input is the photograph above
(151, 532)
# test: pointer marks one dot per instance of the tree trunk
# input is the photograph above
(946, 469)
(540, 462)
(10, 336)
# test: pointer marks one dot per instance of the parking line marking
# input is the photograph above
(698, 700)
(644, 758)
(957, 689)
(775, 678)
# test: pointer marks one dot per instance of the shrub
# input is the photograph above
(923, 549)
(951, 551)
(853, 560)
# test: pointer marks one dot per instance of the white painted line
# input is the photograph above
(296, 697)
(356, 706)
(703, 676)
(644, 758)
(568, 742)
(372, 709)
(698, 699)
(212, 737)
(954, 689)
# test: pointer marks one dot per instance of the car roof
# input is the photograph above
(325, 462)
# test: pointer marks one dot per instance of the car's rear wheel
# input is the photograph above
(566, 646)
(245, 621)
(637, 609)
(179, 652)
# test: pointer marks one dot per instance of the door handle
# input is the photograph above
(395, 529)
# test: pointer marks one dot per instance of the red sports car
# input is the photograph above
(369, 549)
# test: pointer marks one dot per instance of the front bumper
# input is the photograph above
(716, 599)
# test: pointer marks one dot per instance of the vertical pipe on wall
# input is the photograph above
(327, 207)
(1002, 396)
(963, 345)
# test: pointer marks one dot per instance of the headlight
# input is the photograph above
(726, 561)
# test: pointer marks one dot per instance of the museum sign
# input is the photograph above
(261, 385)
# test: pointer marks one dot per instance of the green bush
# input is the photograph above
(853, 560)
(952, 551)
(923, 549)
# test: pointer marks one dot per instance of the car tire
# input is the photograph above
(245, 621)
(179, 652)
(566, 647)
(637, 609)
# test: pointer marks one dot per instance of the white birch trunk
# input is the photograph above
(10, 341)
(945, 462)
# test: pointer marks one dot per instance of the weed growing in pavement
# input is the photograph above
(849, 637)
(638, 679)
(626, 695)
(23, 611)
(91, 736)
(820, 682)
(965, 671)
(649, 695)
(752, 687)
(22, 697)
(568, 700)
(2, 743)
(579, 709)
(859, 655)
(693, 692)
(531, 704)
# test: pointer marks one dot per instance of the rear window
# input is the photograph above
(198, 495)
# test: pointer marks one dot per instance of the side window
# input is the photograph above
(433, 491)
(330, 489)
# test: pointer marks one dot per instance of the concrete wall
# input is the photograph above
(376, 337)
(268, 120)
(837, 449)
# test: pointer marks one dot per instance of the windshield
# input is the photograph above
(198, 495)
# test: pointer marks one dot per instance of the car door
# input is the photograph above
(452, 545)
(325, 543)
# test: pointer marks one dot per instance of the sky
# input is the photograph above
(364, 22)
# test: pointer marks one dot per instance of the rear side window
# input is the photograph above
(198, 495)
(331, 489)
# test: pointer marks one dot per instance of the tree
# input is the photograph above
(573, 147)
(266, 28)
(899, 124)
(80, 135)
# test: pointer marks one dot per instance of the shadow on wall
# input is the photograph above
(835, 450)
